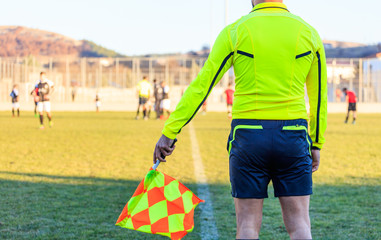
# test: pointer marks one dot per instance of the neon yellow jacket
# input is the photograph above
(144, 88)
(274, 54)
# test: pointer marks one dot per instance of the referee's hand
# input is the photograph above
(315, 159)
(163, 149)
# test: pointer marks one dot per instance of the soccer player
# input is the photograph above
(15, 101)
(45, 89)
(144, 92)
(165, 102)
(351, 99)
(34, 93)
(229, 98)
(97, 102)
(274, 53)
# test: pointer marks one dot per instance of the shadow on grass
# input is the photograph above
(40, 206)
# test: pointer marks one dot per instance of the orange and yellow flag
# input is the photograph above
(160, 205)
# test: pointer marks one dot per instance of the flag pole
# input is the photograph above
(162, 156)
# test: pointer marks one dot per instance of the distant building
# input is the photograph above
(362, 51)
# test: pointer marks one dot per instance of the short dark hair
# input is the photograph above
(42, 73)
(345, 89)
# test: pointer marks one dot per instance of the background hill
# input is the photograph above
(18, 41)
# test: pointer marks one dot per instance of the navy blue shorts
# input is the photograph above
(143, 100)
(264, 150)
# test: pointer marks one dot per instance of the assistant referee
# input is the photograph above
(274, 54)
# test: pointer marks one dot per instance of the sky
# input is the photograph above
(138, 27)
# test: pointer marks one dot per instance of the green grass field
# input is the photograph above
(72, 181)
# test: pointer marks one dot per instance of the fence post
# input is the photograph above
(361, 80)
(34, 66)
(167, 70)
(50, 67)
(150, 73)
(100, 75)
(117, 77)
(67, 92)
(26, 70)
(368, 80)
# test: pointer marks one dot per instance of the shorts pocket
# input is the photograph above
(297, 129)
(236, 128)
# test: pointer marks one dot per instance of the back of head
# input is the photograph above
(42, 75)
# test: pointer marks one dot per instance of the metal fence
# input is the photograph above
(83, 77)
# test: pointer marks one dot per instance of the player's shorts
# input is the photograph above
(142, 100)
(43, 106)
(16, 105)
(165, 104)
(98, 104)
(264, 150)
(352, 107)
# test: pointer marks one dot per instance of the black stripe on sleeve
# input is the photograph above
(303, 54)
(319, 98)
(245, 54)
(210, 88)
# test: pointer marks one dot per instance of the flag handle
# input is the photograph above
(158, 162)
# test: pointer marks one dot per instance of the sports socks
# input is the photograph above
(137, 112)
(42, 119)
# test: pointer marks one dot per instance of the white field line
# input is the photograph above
(208, 223)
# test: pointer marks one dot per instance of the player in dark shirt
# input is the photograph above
(15, 101)
(45, 88)
(352, 101)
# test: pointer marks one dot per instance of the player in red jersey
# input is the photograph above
(229, 98)
(352, 100)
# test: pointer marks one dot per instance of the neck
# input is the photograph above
(263, 1)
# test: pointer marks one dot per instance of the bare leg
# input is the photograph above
(49, 116)
(249, 217)
(137, 112)
(145, 111)
(41, 118)
(295, 211)
(346, 119)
